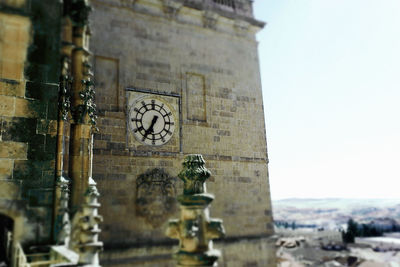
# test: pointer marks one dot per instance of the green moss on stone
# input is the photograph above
(42, 91)
(18, 129)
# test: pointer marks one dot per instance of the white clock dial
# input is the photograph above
(151, 121)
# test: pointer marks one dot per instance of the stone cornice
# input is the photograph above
(171, 8)
(231, 14)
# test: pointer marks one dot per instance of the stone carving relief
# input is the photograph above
(244, 7)
(210, 19)
(155, 196)
(241, 27)
(171, 8)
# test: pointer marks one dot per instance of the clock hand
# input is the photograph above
(151, 127)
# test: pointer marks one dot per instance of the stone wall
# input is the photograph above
(29, 64)
(208, 61)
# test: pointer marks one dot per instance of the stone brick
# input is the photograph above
(10, 189)
(15, 3)
(7, 105)
(42, 91)
(12, 70)
(30, 108)
(6, 167)
(100, 144)
(11, 88)
(41, 197)
(219, 110)
(13, 52)
(47, 127)
(18, 129)
(15, 28)
(13, 150)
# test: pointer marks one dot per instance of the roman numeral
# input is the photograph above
(138, 129)
(168, 114)
(170, 122)
(144, 105)
(153, 106)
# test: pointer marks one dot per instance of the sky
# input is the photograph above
(330, 72)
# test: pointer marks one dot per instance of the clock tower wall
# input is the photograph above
(201, 63)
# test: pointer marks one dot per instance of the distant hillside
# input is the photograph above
(334, 211)
(339, 203)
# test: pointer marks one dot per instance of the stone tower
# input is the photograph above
(175, 78)
(46, 125)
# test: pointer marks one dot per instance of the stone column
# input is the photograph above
(64, 104)
(195, 229)
(81, 126)
(84, 194)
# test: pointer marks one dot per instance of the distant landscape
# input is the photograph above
(337, 232)
(332, 213)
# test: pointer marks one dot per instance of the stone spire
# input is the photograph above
(195, 229)
(63, 224)
(84, 236)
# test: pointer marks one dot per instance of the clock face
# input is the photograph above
(151, 121)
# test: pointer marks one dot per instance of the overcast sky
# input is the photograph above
(330, 71)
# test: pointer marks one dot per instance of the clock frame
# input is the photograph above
(151, 120)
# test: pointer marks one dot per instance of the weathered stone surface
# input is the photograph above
(29, 65)
(10, 189)
(6, 167)
(7, 105)
(213, 73)
(13, 150)
(195, 229)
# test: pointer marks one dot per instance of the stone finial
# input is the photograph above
(195, 229)
(194, 175)
(85, 228)
(63, 224)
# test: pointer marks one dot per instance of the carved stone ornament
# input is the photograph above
(78, 10)
(85, 228)
(155, 196)
(241, 27)
(244, 7)
(88, 107)
(210, 19)
(195, 229)
(171, 8)
(65, 89)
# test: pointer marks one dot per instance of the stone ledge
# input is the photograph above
(194, 4)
